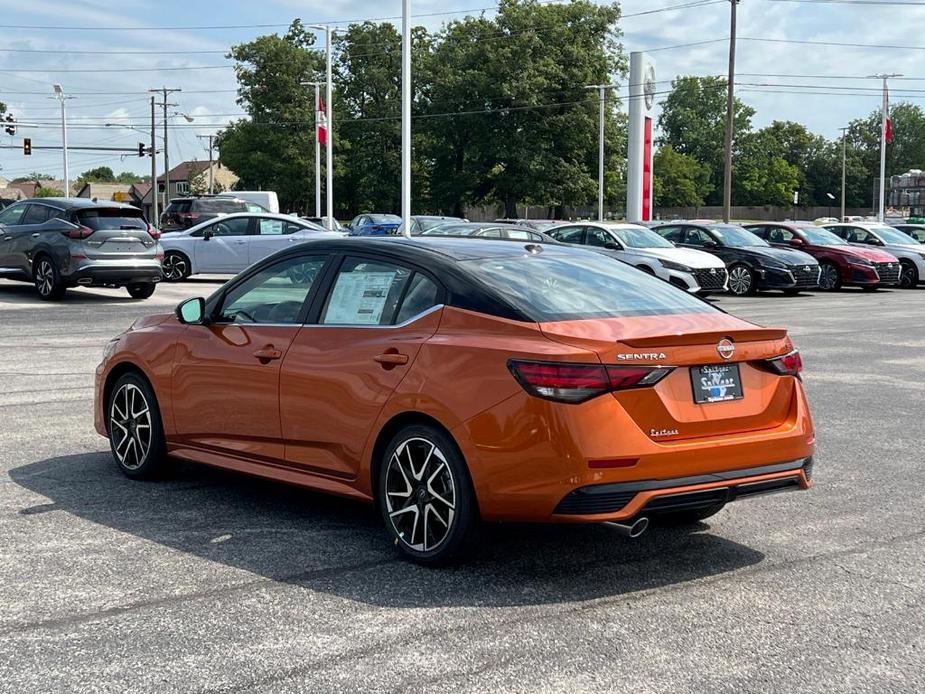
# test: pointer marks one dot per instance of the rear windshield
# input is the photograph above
(178, 206)
(112, 218)
(220, 205)
(555, 287)
(384, 218)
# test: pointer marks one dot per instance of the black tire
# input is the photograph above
(909, 275)
(176, 266)
(682, 518)
(48, 282)
(131, 409)
(829, 277)
(742, 281)
(440, 487)
(141, 291)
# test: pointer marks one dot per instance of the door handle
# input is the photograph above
(391, 359)
(240, 243)
(268, 353)
(36, 235)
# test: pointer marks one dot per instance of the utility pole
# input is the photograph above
(317, 86)
(62, 97)
(211, 139)
(884, 117)
(164, 92)
(730, 113)
(844, 152)
(154, 214)
(329, 144)
(602, 90)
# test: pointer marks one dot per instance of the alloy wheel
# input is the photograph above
(828, 278)
(174, 267)
(420, 494)
(740, 280)
(908, 277)
(44, 277)
(130, 426)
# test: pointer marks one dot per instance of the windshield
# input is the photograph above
(384, 218)
(736, 236)
(891, 235)
(450, 230)
(556, 287)
(640, 237)
(821, 237)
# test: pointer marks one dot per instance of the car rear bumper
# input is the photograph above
(116, 273)
(623, 500)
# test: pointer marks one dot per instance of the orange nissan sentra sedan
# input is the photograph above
(449, 380)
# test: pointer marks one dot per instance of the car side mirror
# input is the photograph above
(796, 242)
(875, 242)
(612, 246)
(710, 244)
(207, 234)
(192, 311)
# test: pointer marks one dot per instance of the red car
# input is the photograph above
(840, 264)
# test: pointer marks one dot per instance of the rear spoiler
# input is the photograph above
(707, 338)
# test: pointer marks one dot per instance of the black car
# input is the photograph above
(916, 231)
(182, 213)
(752, 263)
(489, 230)
(64, 242)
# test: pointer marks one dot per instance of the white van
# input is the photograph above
(265, 198)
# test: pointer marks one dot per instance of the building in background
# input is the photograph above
(907, 192)
(192, 177)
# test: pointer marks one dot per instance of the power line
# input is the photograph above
(852, 44)
(855, 2)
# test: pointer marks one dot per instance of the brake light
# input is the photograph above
(153, 233)
(574, 383)
(790, 364)
(80, 232)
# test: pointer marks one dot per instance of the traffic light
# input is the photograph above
(27, 146)
(11, 124)
(141, 149)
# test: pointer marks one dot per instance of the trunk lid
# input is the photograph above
(668, 411)
(118, 233)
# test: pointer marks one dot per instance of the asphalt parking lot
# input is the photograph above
(215, 582)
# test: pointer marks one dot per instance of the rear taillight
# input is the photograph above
(375, 227)
(790, 364)
(80, 232)
(153, 233)
(575, 383)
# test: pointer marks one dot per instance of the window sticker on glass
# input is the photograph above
(359, 298)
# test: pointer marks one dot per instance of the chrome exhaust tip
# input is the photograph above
(85, 281)
(633, 528)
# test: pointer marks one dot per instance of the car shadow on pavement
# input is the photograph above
(337, 546)
(25, 294)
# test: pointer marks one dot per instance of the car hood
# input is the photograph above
(686, 256)
(874, 255)
(781, 255)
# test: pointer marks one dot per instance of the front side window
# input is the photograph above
(276, 294)
(236, 226)
(365, 292)
(597, 237)
(12, 214)
(697, 237)
(777, 235)
(560, 286)
(672, 234)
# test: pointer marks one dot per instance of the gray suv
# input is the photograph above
(64, 242)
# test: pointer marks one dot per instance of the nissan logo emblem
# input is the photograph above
(725, 348)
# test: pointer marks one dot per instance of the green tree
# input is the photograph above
(761, 177)
(101, 174)
(272, 149)
(34, 176)
(693, 122)
(48, 192)
(129, 177)
(680, 180)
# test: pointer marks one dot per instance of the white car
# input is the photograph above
(686, 268)
(230, 243)
(911, 253)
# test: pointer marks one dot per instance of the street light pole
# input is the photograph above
(844, 151)
(317, 86)
(211, 139)
(164, 91)
(154, 215)
(602, 88)
(62, 97)
(329, 140)
(406, 116)
(730, 114)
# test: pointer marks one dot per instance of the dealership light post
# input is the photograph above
(602, 96)
(329, 145)
(844, 151)
(406, 116)
(317, 86)
(730, 115)
(884, 116)
(62, 97)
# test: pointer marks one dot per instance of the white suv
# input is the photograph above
(692, 270)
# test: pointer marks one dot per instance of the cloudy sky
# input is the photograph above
(796, 60)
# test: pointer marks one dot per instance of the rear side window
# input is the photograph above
(111, 218)
(219, 205)
(178, 206)
(38, 214)
(673, 234)
(556, 287)
(365, 292)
